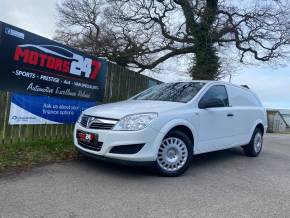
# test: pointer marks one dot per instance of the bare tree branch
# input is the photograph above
(145, 33)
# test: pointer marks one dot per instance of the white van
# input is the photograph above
(169, 123)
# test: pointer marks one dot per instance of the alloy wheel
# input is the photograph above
(172, 154)
(258, 141)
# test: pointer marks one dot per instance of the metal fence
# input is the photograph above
(121, 83)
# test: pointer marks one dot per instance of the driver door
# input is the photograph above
(215, 122)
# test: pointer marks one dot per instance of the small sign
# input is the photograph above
(31, 109)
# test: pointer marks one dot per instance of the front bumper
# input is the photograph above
(116, 161)
(150, 137)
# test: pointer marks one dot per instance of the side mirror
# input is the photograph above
(211, 103)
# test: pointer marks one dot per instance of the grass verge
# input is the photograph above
(23, 155)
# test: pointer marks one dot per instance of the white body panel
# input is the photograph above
(212, 128)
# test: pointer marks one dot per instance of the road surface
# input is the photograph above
(219, 184)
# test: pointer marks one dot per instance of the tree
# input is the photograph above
(144, 33)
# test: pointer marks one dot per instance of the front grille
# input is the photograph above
(90, 146)
(101, 126)
(92, 122)
(84, 121)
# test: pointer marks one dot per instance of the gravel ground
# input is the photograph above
(218, 184)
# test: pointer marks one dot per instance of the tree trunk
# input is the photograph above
(206, 64)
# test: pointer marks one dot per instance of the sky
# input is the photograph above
(270, 82)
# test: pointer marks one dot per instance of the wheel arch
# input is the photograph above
(184, 126)
(257, 124)
(185, 130)
(261, 127)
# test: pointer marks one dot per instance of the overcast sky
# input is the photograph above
(271, 83)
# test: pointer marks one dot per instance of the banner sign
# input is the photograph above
(36, 65)
(32, 109)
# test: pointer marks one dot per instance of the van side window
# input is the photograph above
(219, 92)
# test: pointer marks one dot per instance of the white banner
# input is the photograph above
(21, 116)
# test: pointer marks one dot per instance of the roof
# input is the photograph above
(273, 111)
(245, 87)
(285, 111)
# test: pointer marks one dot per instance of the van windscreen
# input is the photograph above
(175, 92)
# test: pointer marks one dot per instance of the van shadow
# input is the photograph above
(200, 162)
(216, 157)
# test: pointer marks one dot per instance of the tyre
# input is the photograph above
(254, 148)
(174, 154)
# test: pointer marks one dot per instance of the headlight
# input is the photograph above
(135, 122)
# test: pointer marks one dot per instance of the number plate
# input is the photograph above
(87, 137)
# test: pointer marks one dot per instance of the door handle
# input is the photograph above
(230, 115)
